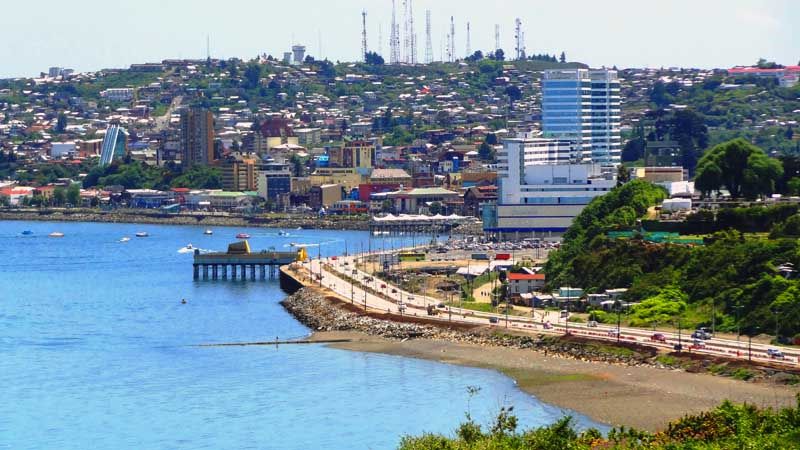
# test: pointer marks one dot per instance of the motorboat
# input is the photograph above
(242, 236)
(188, 249)
(125, 239)
(283, 233)
(56, 234)
(208, 232)
(27, 233)
(142, 234)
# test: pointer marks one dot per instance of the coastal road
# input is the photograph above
(340, 275)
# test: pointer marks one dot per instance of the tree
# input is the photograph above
(499, 55)
(373, 59)
(486, 152)
(74, 195)
(623, 175)
(659, 96)
(252, 76)
(514, 93)
(477, 56)
(61, 123)
(309, 59)
(633, 150)
(435, 208)
(739, 166)
(563, 58)
(59, 196)
(491, 139)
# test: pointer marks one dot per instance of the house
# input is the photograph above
(14, 195)
(525, 283)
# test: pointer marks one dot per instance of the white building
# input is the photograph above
(59, 149)
(584, 106)
(542, 189)
(118, 94)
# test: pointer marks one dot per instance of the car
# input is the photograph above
(394, 291)
(564, 313)
(410, 298)
(334, 258)
(658, 337)
(698, 344)
(440, 305)
(493, 320)
(775, 353)
(613, 332)
(547, 326)
(591, 324)
(701, 334)
(383, 286)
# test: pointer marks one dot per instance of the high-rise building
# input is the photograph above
(541, 186)
(197, 136)
(583, 106)
(115, 144)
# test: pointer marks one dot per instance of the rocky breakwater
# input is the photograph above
(320, 313)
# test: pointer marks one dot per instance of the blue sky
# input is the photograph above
(95, 34)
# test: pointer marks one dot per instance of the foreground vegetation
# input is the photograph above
(733, 281)
(725, 427)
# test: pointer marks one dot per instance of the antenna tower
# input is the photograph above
(452, 43)
(394, 39)
(364, 49)
(428, 41)
(380, 39)
(413, 39)
(496, 36)
(469, 44)
(519, 38)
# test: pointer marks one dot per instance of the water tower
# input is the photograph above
(299, 52)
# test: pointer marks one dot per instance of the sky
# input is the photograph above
(93, 34)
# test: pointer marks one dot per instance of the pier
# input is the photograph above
(239, 263)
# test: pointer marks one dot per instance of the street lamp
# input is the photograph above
(777, 311)
(750, 343)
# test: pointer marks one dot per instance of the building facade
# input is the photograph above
(583, 106)
(197, 136)
(538, 196)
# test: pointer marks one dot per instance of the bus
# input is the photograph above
(412, 256)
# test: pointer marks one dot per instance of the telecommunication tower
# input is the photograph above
(428, 40)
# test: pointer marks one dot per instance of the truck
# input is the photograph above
(480, 256)
(502, 256)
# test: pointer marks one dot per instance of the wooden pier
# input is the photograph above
(239, 263)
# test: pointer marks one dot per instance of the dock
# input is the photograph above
(240, 263)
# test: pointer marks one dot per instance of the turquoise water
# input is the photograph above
(97, 351)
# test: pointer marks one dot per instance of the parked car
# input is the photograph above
(658, 337)
(547, 326)
(591, 324)
(613, 332)
(775, 353)
(394, 291)
(383, 286)
(493, 320)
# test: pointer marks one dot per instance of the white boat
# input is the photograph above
(283, 233)
(208, 232)
(188, 249)
(56, 234)
(299, 245)
(125, 239)
(142, 234)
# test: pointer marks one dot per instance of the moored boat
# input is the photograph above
(242, 236)
(208, 232)
(142, 234)
(56, 234)
(125, 239)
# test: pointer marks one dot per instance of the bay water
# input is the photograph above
(98, 351)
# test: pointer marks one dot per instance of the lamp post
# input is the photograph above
(750, 343)
(618, 304)
(777, 311)
(738, 330)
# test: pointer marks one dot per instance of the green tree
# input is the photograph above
(74, 195)
(61, 123)
(623, 175)
(514, 93)
(740, 167)
(373, 59)
(563, 58)
(435, 208)
(486, 152)
(252, 76)
(59, 196)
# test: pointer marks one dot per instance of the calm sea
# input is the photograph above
(97, 351)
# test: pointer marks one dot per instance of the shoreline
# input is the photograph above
(156, 218)
(152, 217)
(612, 389)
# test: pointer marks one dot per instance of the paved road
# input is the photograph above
(380, 295)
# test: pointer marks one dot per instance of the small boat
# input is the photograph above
(27, 233)
(56, 234)
(142, 234)
(125, 239)
(283, 233)
(242, 236)
(208, 232)
(188, 249)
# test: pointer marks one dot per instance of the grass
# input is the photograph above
(668, 360)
